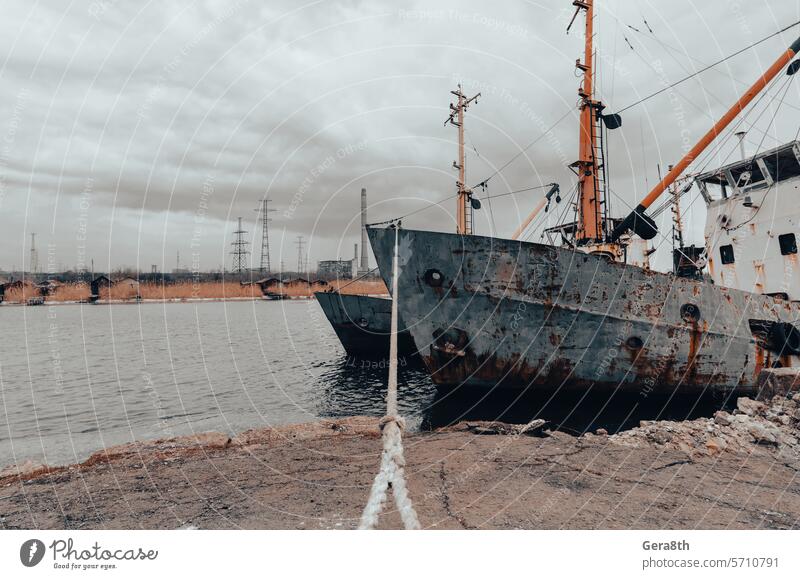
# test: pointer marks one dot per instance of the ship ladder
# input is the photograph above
(600, 180)
(392, 460)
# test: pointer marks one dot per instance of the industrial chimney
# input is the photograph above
(364, 258)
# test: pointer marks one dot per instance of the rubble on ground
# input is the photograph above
(753, 426)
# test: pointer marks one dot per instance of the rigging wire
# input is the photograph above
(732, 131)
(701, 110)
(517, 191)
(668, 202)
(396, 219)
(477, 154)
(542, 217)
(708, 156)
(614, 60)
(680, 52)
(567, 203)
(484, 182)
(674, 84)
(528, 146)
(705, 159)
(689, 101)
(772, 121)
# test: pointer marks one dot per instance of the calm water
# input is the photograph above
(74, 379)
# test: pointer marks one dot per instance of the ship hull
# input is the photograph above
(489, 312)
(363, 324)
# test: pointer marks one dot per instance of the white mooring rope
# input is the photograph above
(392, 461)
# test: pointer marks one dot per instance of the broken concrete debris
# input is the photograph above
(753, 424)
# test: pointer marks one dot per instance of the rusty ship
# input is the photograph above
(579, 315)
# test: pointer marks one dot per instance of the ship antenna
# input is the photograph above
(465, 202)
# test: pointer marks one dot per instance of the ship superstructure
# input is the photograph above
(753, 221)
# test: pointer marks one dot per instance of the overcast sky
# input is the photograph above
(130, 131)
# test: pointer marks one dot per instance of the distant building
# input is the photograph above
(336, 269)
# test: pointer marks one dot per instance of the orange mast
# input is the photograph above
(590, 223)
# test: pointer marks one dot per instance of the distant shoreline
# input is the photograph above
(169, 301)
(150, 292)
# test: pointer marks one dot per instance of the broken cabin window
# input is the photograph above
(748, 177)
(782, 165)
(714, 189)
(726, 254)
(788, 243)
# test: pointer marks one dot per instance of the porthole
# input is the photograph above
(434, 278)
(634, 343)
(690, 313)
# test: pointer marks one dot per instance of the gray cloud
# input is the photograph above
(119, 113)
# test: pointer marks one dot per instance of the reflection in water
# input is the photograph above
(358, 387)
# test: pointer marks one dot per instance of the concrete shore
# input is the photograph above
(737, 470)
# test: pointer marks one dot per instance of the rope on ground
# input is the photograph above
(392, 425)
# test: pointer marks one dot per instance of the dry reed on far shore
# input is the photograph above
(361, 287)
(200, 290)
(70, 292)
(20, 294)
(188, 290)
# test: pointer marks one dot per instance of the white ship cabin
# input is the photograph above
(752, 224)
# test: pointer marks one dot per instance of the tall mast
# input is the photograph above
(464, 208)
(590, 222)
